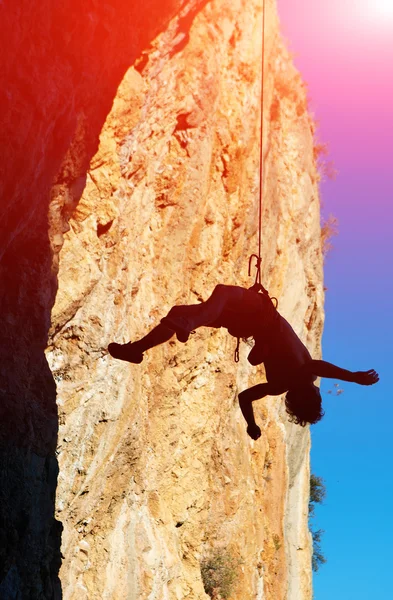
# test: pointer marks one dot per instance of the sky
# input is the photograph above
(344, 51)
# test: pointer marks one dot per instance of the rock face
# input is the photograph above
(157, 474)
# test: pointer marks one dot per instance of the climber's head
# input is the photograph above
(304, 404)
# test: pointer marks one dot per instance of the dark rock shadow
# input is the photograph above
(30, 536)
(62, 65)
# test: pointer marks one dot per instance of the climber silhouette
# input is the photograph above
(288, 364)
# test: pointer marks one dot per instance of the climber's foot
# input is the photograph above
(178, 325)
(128, 352)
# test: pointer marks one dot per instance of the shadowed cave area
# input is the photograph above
(63, 64)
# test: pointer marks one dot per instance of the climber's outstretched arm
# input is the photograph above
(246, 398)
(321, 368)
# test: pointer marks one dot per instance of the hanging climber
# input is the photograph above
(288, 364)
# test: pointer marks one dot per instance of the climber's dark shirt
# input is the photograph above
(282, 352)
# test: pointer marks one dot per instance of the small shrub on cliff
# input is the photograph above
(276, 542)
(219, 572)
(318, 558)
(329, 229)
(317, 496)
(325, 167)
(317, 492)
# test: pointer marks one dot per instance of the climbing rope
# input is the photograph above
(261, 173)
(258, 259)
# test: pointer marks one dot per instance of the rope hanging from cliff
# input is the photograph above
(258, 281)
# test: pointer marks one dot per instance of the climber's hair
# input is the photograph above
(304, 405)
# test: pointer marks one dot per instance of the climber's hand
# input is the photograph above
(254, 431)
(366, 377)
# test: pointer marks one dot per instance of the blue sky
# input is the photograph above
(344, 51)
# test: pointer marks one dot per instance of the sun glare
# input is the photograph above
(374, 16)
(380, 10)
(384, 8)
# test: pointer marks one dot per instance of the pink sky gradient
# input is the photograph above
(348, 57)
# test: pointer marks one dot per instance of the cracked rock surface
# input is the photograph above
(156, 471)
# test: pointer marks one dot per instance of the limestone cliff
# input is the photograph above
(156, 470)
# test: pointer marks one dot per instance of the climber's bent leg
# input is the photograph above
(183, 319)
(133, 351)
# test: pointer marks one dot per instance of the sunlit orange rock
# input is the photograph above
(156, 469)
